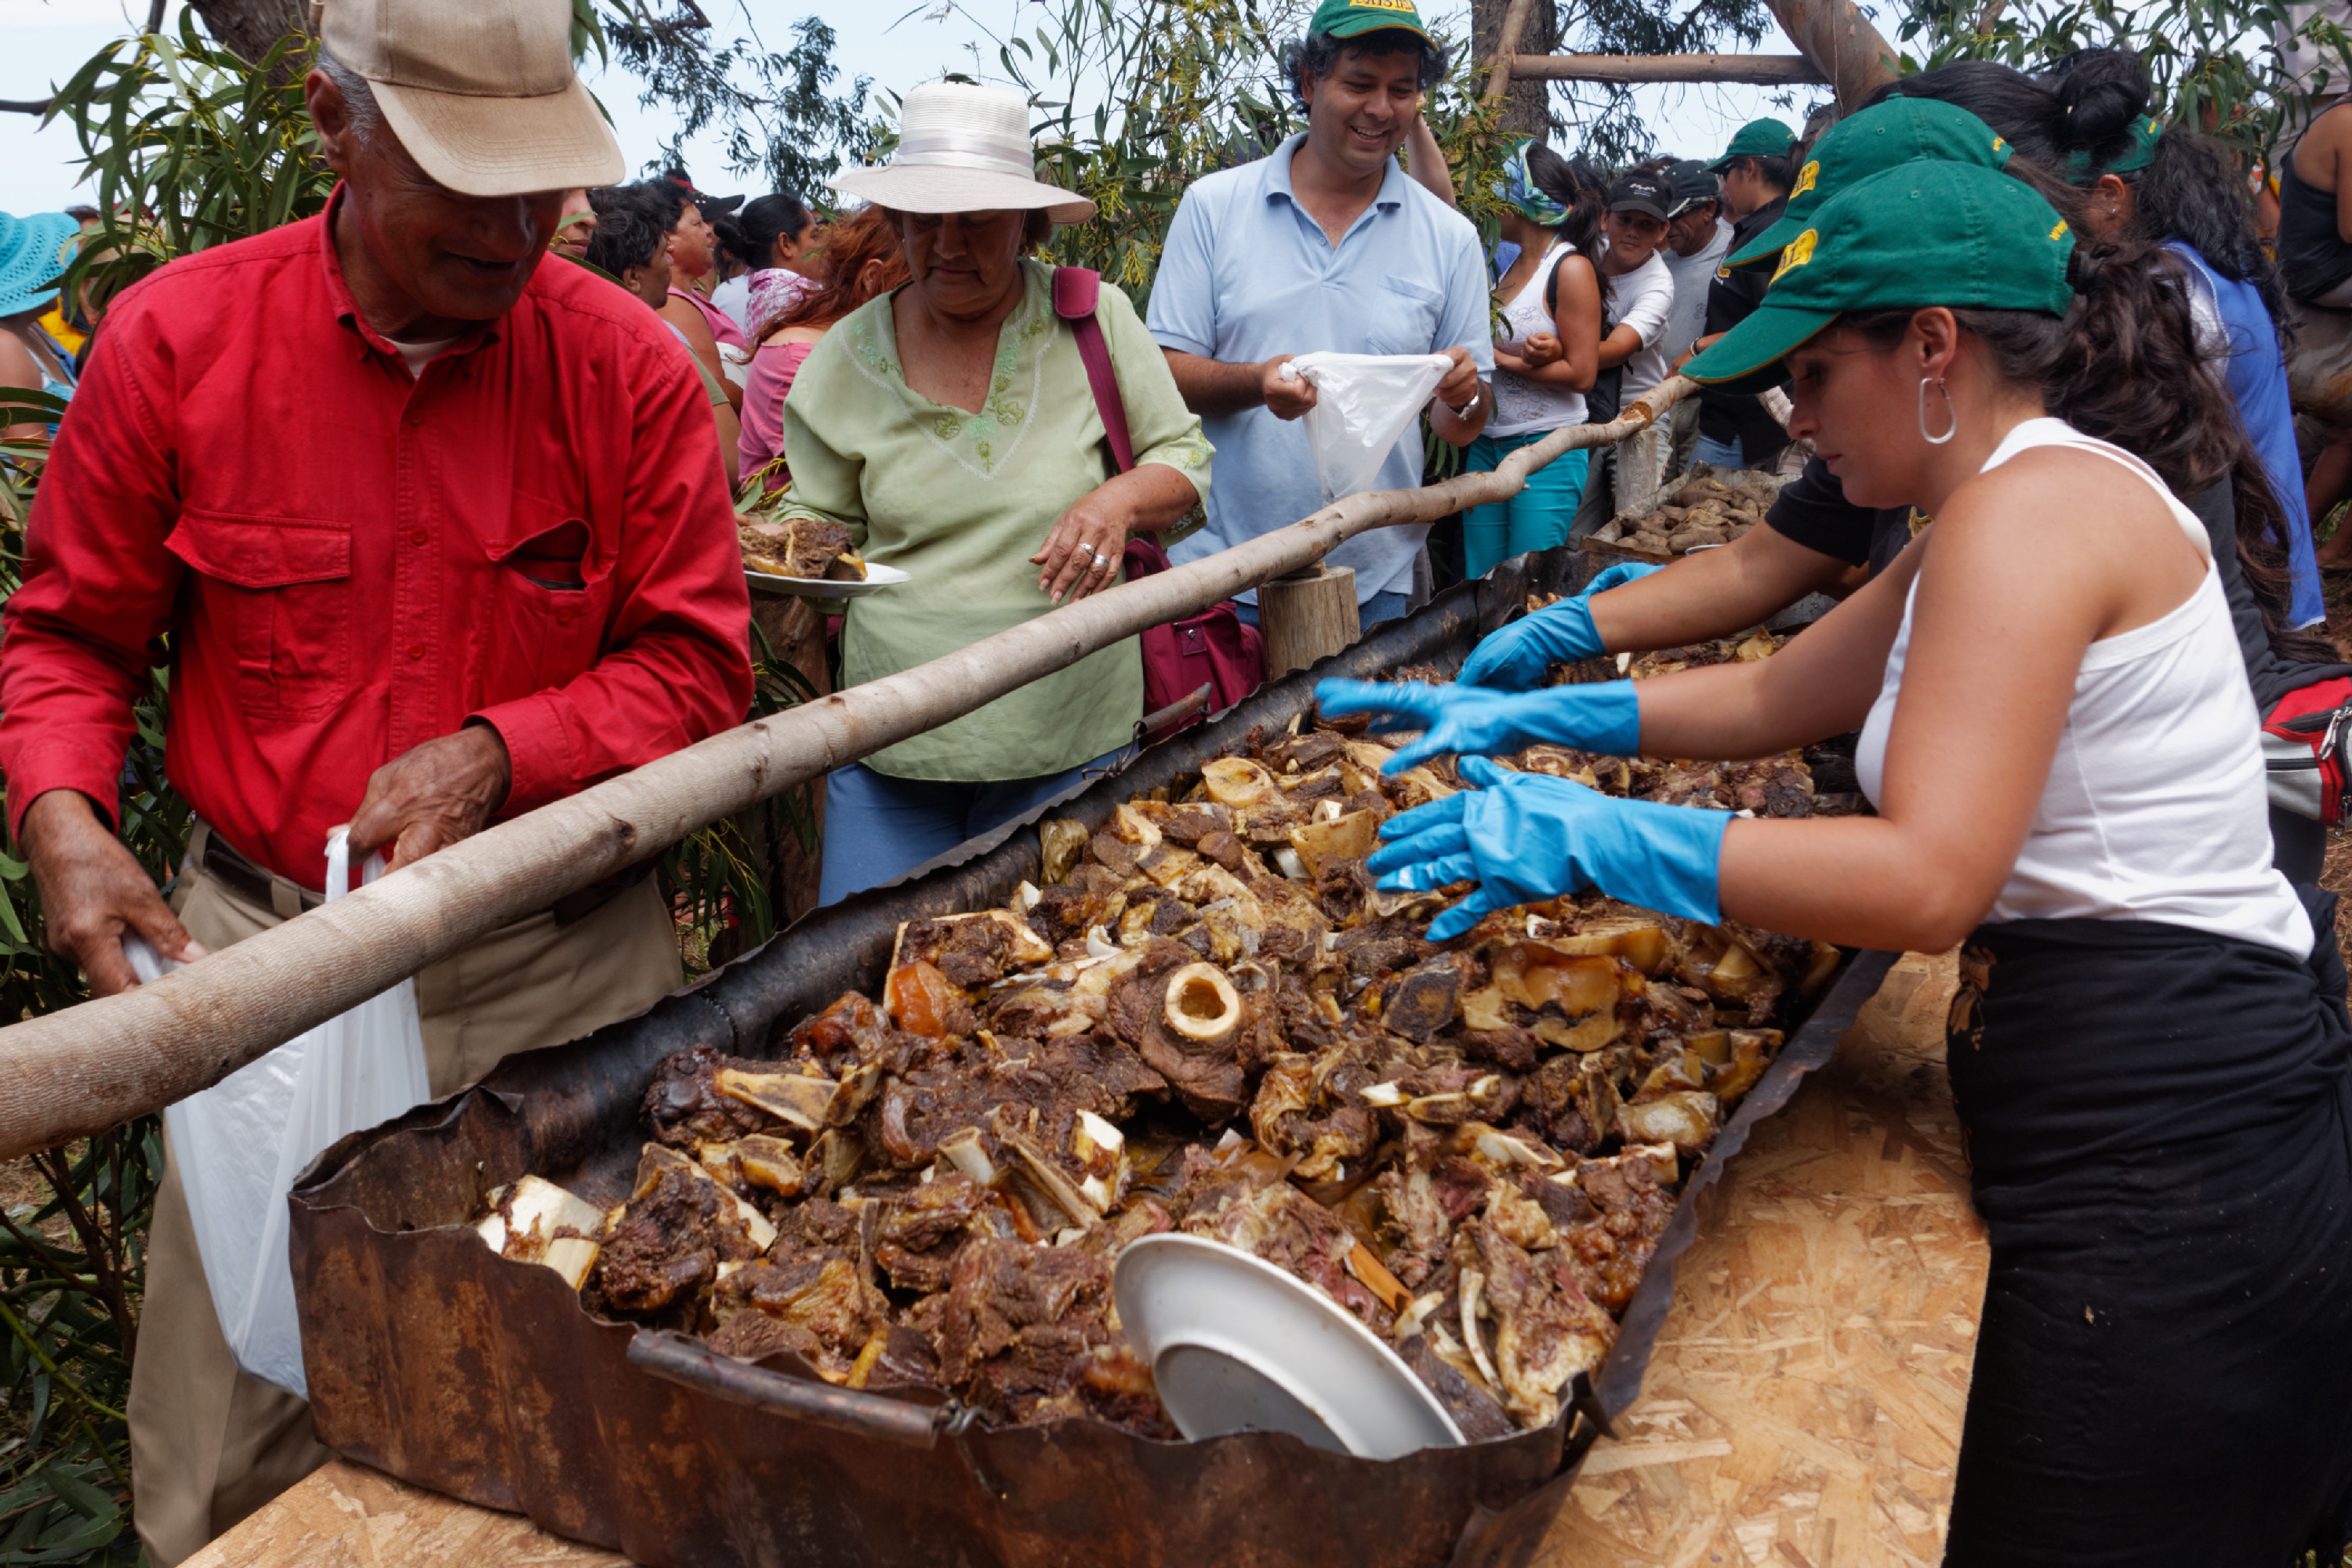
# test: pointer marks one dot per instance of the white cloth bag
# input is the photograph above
(240, 1143)
(1362, 404)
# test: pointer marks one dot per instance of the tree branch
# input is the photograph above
(1628, 69)
(26, 106)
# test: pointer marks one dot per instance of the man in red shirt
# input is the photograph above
(436, 530)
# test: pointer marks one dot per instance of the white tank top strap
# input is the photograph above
(2052, 432)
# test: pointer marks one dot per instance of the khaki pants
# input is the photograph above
(2319, 370)
(210, 1445)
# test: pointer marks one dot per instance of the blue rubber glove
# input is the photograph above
(1515, 656)
(1602, 716)
(1526, 837)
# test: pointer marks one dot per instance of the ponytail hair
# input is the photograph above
(750, 234)
(2122, 365)
(1579, 187)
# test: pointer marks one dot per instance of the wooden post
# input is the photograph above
(1306, 617)
(81, 1069)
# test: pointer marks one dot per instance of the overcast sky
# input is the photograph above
(898, 43)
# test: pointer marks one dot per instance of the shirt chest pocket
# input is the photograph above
(279, 594)
(1404, 316)
(552, 592)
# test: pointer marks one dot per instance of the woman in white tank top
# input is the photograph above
(1552, 211)
(2149, 1049)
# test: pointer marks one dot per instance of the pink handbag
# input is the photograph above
(1215, 648)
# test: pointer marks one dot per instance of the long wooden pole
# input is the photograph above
(1629, 70)
(79, 1070)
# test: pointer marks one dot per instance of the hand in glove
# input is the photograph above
(1515, 656)
(1526, 837)
(1598, 716)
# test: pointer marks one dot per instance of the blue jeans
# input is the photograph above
(877, 828)
(1535, 518)
(1371, 613)
(1722, 454)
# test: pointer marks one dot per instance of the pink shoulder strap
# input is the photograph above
(1076, 291)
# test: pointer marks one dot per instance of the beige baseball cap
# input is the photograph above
(481, 92)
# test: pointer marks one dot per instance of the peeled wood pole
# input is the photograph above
(77, 1071)
(1627, 69)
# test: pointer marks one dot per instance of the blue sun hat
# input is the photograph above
(33, 251)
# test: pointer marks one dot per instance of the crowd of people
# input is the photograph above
(438, 528)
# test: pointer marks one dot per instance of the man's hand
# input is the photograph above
(93, 890)
(1286, 397)
(432, 795)
(1461, 382)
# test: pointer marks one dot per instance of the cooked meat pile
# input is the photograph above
(1713, 507)
(799, 547)
(1207, 1020)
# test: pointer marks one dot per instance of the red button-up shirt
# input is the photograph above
(350, 562)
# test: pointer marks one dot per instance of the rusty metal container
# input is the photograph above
(434, 1360)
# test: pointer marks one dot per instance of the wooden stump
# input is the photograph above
(1306, 617)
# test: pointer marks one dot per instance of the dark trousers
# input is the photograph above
(2160, 1129)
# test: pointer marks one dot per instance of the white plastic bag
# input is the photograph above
(1362, 404)
(240, 1143)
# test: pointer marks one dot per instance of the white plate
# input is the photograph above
(1237, 1345)
(779, 587)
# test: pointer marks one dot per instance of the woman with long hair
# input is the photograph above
(858, 259)
(2088, 121)
(2149, 1049)
(1550, 298)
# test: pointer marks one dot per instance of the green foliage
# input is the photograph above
(776, 109)
(69, 1271)
(188, 147)
(1608, 129)
(2213, 63)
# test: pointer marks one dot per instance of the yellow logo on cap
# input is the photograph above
(1998, 144)
(2061, 229)
(1799, 252)
(1805, 178)
(1380, 4)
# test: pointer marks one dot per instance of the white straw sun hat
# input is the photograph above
(963, 149)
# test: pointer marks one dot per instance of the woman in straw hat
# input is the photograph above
(951, 427)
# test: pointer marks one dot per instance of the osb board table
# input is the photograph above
(1801, 1409)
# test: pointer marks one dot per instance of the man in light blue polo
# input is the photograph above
(1326, 245)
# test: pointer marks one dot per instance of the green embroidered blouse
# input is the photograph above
(959, 501)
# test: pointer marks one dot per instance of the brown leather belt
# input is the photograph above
(288, 899)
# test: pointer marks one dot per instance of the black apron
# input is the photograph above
(2159, 1121)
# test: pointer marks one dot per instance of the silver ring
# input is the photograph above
(1100, 559)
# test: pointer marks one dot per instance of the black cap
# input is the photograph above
(710, 207)
(1690, 184)
(1642, 192)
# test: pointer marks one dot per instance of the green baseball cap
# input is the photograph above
(1899, 131)
(2082, 169)
(1348, 19)
(1756, 139)
(1919, 233)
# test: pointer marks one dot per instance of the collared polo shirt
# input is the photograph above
(348, 559)
(1246, 273)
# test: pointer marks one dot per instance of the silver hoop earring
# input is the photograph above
(1936, 440)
